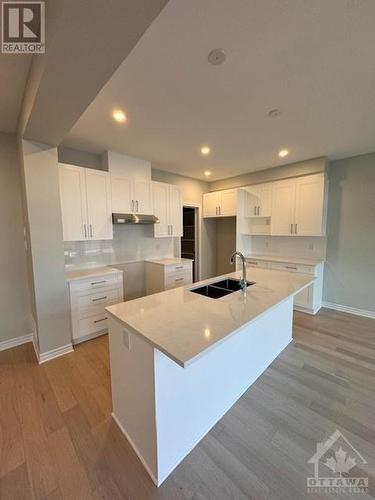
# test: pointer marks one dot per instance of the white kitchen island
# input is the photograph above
(180, 360)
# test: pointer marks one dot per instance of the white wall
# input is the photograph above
(15, 307)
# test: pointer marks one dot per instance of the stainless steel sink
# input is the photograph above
(220, 288)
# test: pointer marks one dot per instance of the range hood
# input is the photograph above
(134, 219)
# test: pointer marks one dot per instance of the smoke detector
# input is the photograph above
(274, 113)
(217, 56)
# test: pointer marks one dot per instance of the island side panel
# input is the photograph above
(189, 401)
(133, 394)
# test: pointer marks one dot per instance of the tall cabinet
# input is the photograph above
(85, 196)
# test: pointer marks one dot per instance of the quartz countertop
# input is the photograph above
(289, 260)
(92, 272)
(169, 261)
(183, 325)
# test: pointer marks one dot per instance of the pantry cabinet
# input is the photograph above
(168, 209)
(85, 196)
(299, 206)
(220, 203)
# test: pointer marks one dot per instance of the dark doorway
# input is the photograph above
(189, 239)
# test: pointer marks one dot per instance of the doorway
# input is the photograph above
(189, 240)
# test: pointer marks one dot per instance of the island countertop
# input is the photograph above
(183, 325)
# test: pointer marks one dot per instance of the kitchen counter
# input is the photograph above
(90, 273)
(289, 260)
(170, 261)
(184, 325)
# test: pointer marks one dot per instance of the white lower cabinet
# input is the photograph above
(88, 299)
(308, 300)
(167, 273)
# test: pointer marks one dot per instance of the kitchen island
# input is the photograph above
(180, 360)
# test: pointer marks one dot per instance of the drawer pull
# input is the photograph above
(179, 267)
(291, 267)
(179, 279)
(98, 282)
(99, 298)
(100, 320)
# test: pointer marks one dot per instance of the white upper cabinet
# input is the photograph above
(85, 203)
(299, 206)
(220, 203)
(143, 197)
(131, 195)
(168, 209)
(259, 200)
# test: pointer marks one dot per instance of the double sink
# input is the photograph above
(220, 288)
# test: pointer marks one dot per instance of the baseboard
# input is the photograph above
(8, 344)
(312, 312)
(54, 353)
(350, 310)
(137, 452)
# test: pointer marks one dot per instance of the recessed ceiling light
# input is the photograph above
(205, 150)
(207, 173)
(119, 116)
(217, 56)
(283, 153)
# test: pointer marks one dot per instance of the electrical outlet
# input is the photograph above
(126, 339)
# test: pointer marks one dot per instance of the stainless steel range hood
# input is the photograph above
(134, 219)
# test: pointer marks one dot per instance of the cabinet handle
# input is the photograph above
(291, 229)
(132, 205)
(179, 267)
(99, 320)
(219, 210)
(295, 228)
(255, 210)
(258, 210)
(85, 228)
(99, 298)
(91, 233)
(216, 210)
(172, 229)
(98, 282)
(290, 267)
(137, 206)
(179, 279)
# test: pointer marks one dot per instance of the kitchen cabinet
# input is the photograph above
(299, 206)
(167, 207)
(167, 273)
(131, 195)
(85, 197)
(259, 202)
(220, 203)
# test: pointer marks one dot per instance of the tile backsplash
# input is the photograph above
(303, 246)
(131, 243)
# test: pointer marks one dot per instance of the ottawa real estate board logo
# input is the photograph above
(23, 27)
(338, 467)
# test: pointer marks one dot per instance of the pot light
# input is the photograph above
(205, 150)
(207, 173)
(283, 153)
(119, 116)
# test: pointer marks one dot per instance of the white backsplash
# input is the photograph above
(303, 246)
(133, 243)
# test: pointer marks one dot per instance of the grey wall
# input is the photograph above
(350, 267)
(192, 192)
(225, 244)
(42, 203)
(272, 174)
(79, 158)
(15, 308)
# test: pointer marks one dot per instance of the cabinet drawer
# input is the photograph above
(178, 268)
(93, 324)
(293, 268)
(178, 279)
(98, 282)
(258, 263)
(89, 305)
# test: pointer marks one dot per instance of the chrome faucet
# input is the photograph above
(243, 281)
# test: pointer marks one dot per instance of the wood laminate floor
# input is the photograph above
(57, 439)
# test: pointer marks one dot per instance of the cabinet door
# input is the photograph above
(304, 298)
(122, 190)
(283, 201)
(175, 210)
(99, 204)
(252, 201)
(143, 197)
(265, 200)
(73, 202)
(160, 194)
(211, 203)
(228, 206)
(309, 205)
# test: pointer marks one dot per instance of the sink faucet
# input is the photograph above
(243, 281)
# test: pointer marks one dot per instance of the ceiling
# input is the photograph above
(311, 59)
(14, 70)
